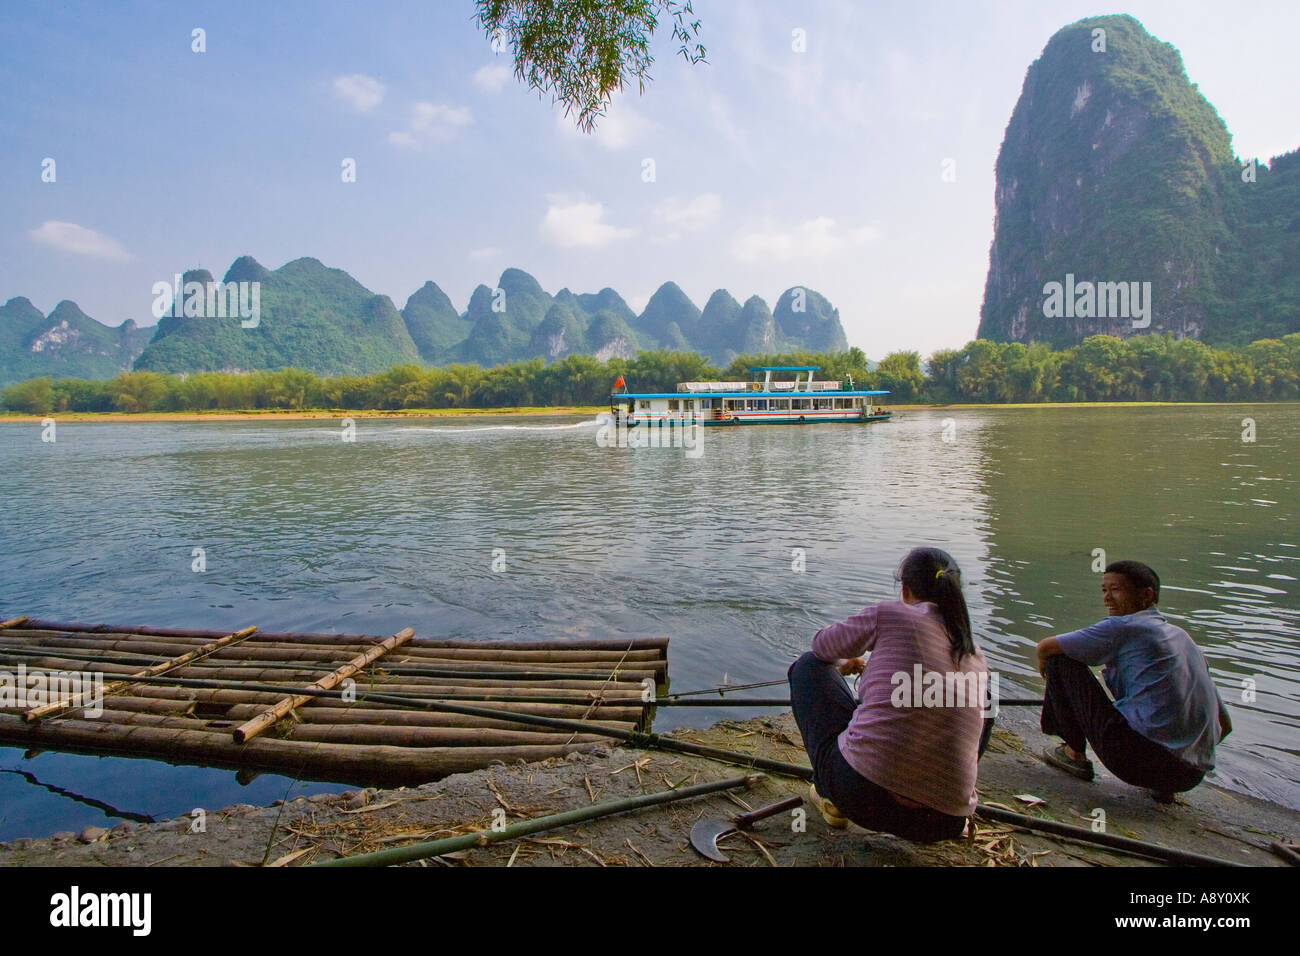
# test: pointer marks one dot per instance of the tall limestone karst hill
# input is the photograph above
(1115, 169)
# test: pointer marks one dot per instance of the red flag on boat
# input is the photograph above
(619, 383)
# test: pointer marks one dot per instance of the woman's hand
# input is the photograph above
(853, 665)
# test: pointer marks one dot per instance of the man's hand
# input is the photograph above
(1048, 647)
(853, 665)
(1225, 722)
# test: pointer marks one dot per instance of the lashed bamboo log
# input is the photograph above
(248, 731)
(321, 714)
(423, 685)
(365, 734)
(597, 692)
(485, 652)
(394, 718)
(13, 622)
(604, 697)
(219, 697)
(638, 643)
(635, 738)
(120, 653)
(362, 766)
(77, 700)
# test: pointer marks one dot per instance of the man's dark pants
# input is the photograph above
(1076, 708)
(823, 705)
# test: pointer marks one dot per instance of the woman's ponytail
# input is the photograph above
(932, 575)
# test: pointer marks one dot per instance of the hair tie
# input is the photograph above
(938, 573)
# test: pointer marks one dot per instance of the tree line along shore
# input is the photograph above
(1102, 368)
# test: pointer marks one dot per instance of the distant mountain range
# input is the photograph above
(67, 343)
(325, 321)
(1115, 169)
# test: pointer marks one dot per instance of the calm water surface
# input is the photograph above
(305, 532)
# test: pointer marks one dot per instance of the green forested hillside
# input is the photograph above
(312, 317)
(1114, 168)
(67, 343)
(323, 321)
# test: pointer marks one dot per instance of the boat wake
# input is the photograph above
(467, 429)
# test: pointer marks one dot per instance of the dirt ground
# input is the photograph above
(1209, 820)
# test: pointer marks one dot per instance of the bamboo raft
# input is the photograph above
(278, 702)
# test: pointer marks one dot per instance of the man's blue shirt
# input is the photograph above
(1159, 679)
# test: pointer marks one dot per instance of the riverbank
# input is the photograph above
(1208, 820)
(277, 415)
(274, 415)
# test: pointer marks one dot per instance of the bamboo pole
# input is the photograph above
(13, 622)
(487, 652)
(248, 731)
(376, 765)
(157, 670)
(319, 714)
(637, 643)
(426, 686)
(1136, 847)
(420, 851)
(225, 696)
(1285, 852)
(785, 702)
(361, 734)
(273, 657)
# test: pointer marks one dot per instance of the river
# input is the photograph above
(526, 528)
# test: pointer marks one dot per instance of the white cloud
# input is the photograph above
(579, 224)
(486, 252)
(697, 213)
(363, 93)
(813, 238)
(431, 123)
(69, 237)
(492, 79)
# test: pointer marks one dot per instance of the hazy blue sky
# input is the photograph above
(773, 167)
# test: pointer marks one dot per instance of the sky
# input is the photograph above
(773, 166)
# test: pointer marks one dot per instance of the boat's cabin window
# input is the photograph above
(688, 404)
(644, 405)
(780, 404)
(672, 404)
(822, 403)
(800, 404)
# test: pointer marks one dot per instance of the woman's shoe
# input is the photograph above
(1061, 760)
(829, 813)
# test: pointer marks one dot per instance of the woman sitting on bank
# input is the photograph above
(908, 770)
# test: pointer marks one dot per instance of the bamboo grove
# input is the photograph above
(1101, 368)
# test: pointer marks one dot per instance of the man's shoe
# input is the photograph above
(1058, 758)
(1161, 796)
(829, 813)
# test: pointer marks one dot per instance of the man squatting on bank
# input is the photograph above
(1167, 716)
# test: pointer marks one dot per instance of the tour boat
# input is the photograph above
(766, 402)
